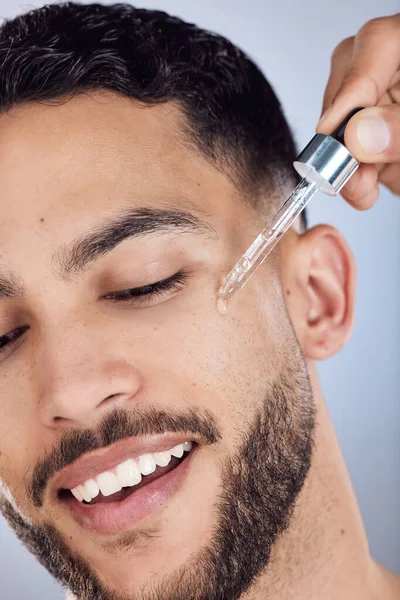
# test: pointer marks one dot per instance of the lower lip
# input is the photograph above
(113, 517)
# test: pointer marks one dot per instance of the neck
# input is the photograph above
(325, 553)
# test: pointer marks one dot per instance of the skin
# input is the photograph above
(79, 350)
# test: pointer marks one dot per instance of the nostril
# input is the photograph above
(58, 419)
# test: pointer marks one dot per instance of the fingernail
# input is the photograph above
(373, 135)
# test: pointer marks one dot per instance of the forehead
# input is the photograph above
(96, 151)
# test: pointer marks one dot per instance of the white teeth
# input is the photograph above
(128, 473)
(108, 483)
(162, 458)
(147, 464)
(91, 488)
(77, 494)
(177, 451)
(83, 492)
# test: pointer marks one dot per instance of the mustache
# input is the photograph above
(114, 427)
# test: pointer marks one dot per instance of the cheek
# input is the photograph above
(17, 455)
(22, 437)
(13, 430)
(221, 363)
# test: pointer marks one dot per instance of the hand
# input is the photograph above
(365, 71)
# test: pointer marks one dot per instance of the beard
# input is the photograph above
(260, 484)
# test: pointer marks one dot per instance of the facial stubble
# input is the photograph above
(260, 484)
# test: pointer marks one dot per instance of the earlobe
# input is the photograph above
(322, 308)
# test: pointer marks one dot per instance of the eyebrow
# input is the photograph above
(73, 258)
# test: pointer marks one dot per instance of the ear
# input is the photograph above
(318, 275)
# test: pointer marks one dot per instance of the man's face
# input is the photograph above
(100, 195)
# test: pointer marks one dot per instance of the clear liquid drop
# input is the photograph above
(222, 307)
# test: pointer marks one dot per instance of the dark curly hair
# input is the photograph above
(232, 114)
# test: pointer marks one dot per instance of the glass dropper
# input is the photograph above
(326, 165)
(267, 240)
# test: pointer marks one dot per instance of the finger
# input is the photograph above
(340, 61)
(390, 176)
(361, 189)
(394, 91)
(375, 59)
(373, 134)
(367, 201)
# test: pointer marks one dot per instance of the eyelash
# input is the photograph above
(144, 294)
(9, 339)
(139, 296)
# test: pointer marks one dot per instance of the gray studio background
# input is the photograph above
(292, 42)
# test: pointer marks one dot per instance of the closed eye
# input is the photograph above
(144, 294)
(138, 296)
(10, 339)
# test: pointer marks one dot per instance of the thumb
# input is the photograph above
(373, 134)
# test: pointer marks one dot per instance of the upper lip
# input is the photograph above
(92, 464)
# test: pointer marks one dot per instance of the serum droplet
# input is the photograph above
(221, 306)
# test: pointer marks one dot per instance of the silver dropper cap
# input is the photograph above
(326, 162)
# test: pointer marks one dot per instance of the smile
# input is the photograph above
(119, 497)
(127, 474)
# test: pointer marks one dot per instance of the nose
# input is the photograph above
(79, 376)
